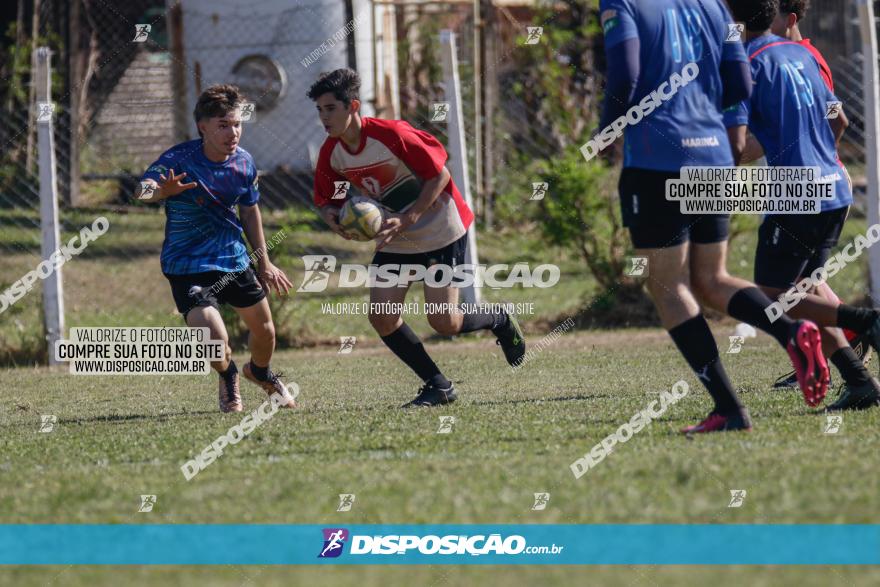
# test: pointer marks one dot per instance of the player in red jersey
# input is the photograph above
(404, 170)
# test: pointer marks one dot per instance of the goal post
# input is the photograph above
(457, 147)
(53, 294)
(871, 77)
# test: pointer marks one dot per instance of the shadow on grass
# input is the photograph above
(109, 418)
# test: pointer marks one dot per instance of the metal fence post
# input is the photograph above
(53, 296)
(458, 166)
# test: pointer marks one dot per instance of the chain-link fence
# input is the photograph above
(126, 75)
(833, 27)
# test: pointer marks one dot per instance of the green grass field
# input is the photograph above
(515, 434)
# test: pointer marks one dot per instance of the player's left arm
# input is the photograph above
(426, 157)
(270, 275)
(744, 145)
(839, 125)
(431, 190)
(736, 135)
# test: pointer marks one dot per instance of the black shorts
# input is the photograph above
(655, 222)
(212, 288)
(791, 246)
(452, 254)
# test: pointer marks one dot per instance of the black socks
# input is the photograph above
(748, 304)
(404, 343)
(261, 373)
(230, 370)
(850, 366)
(483, 320)
(694, 339)
(856, 319)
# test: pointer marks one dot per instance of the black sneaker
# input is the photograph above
(718, 422)
(861, 347)
(511, 339)
(860, 397)
(872, 335)
(786, 381)
(789, 380)
(431, 394)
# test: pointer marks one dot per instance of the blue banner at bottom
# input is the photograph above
(493, 544)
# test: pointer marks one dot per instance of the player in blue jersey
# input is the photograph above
(788, 116)
(204, 256)
(679, 51)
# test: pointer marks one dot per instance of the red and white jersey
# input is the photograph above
(390, 165)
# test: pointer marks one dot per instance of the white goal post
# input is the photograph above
(871, 76)
(457, 147)
(53, 292)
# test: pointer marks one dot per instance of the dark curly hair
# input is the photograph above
(797, 7)
(344, 84)
(757, 15)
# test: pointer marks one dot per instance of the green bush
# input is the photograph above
(580, 211)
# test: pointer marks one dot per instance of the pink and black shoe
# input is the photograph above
(805, 350)
(717, 422)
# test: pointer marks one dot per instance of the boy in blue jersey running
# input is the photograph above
(648, 42)
(204, 256)
(787, 114)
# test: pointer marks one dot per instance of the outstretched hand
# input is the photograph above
(171, 185)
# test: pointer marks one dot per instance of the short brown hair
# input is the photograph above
(216, 101)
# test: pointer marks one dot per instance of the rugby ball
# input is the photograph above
(361, 218)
